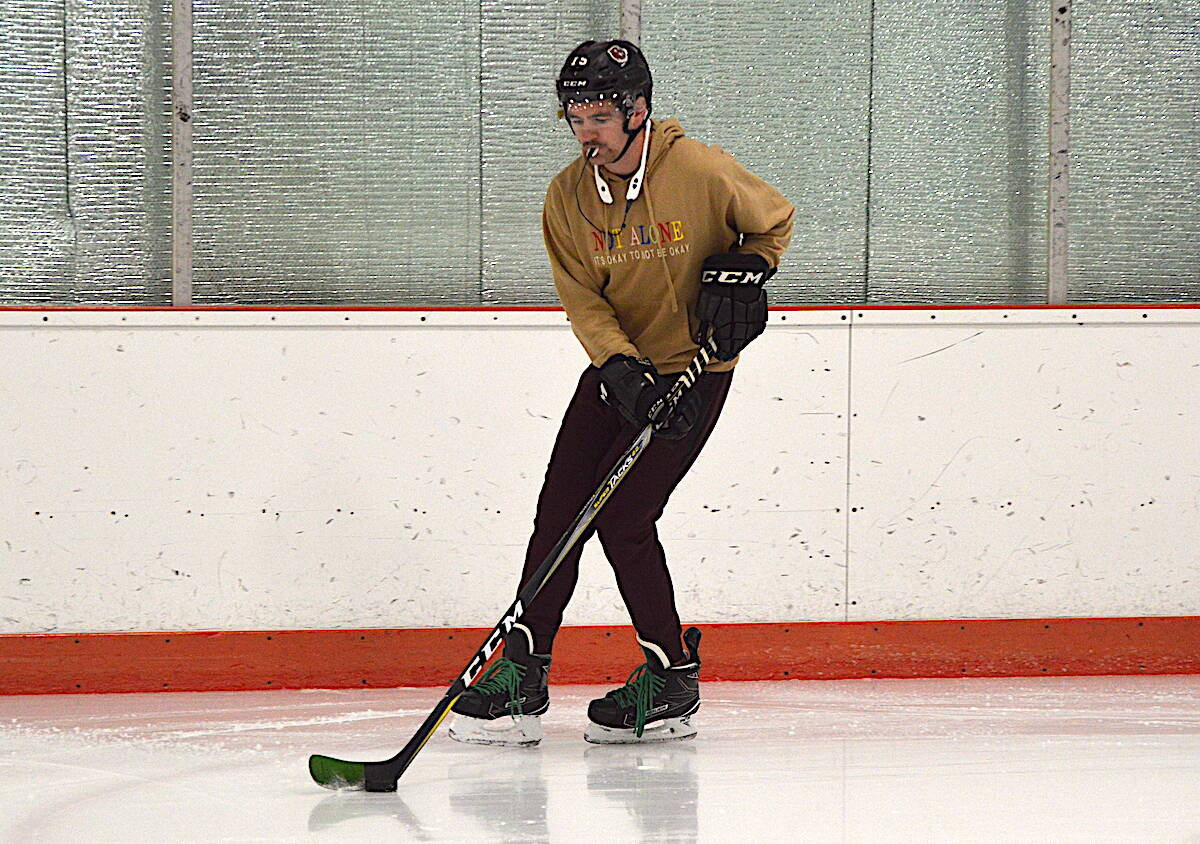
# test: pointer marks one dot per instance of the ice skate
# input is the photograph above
(507, 730)
(655, 704)
(505, 705)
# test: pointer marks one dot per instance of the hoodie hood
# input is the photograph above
(663, 135)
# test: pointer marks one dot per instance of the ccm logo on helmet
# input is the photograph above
(618, 54)
(733, 277)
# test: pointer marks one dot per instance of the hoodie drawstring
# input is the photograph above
(662, 258)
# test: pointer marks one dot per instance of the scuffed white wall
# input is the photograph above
(1039, 469)
(308, 469)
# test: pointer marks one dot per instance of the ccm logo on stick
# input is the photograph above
(733, 277)
(501, 630)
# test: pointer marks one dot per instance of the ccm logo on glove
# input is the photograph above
(732, 306)
(715, 276)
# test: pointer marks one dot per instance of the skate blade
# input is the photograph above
(521, 731)
(668, 729)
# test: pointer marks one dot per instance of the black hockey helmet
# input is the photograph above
(605, 70)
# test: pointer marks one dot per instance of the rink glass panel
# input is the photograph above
(372, 154)
(337, 153)
(958, 152)
(524, 143)
(1135, 186)
(84, 151)
(784, 89)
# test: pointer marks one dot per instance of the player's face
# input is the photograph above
(599, 126)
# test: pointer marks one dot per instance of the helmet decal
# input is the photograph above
(618, 54)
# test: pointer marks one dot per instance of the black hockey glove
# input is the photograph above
(635, 388)
(683, 419)
(732, 303)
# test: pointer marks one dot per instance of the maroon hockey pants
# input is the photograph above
(593, 435)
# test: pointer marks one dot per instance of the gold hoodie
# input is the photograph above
(635, 294)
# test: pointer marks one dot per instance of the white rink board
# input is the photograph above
(378, 474)
(298, 469)
(1024, 471)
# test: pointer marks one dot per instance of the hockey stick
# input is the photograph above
(383, 776)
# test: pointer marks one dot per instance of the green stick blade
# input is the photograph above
(337, 774)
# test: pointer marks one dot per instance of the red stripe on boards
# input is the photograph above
(1089, 306)
(291, 659)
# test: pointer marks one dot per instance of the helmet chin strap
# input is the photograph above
(635, 184)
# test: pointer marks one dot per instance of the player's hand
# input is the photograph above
(732, 303)
(635, 387)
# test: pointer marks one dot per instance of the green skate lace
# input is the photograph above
(505, 677)
(639, 691)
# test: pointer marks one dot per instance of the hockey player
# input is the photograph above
(655, 241)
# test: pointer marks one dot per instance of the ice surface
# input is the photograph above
(1043, 759)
